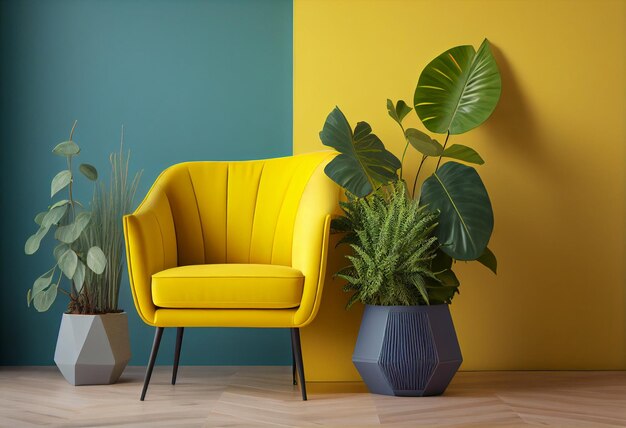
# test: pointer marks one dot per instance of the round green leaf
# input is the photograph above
(71, 232)
(42, 301)
(61, 180)
(54, 216)
(66, 148)
(466, 217)
(59, 203)
(423, 143)
(43, 281)
(79, 276)
(68, 262)
(458, 90)
(59, 250)
(39, 217)
(89, 171)
(29, 297)
(96, 260)
(363, 163)
(33, 242)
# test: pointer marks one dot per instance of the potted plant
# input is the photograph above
(404, 242)
(93, 345)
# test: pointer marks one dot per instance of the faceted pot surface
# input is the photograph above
(93, 349)
(407, 350)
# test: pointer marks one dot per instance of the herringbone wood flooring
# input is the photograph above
(264, 396)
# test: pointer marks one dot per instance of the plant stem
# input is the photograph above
(418, 174)
(404, 152)
(69, 167)
(402, 161)
(72, 131)
(444, 148)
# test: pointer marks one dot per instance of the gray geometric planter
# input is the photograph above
(93, 349)
(407, 350)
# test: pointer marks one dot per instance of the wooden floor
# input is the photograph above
(264, 396)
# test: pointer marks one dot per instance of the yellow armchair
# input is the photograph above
(232, 244)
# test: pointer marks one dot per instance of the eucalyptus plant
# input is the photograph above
(455, 93)
(69, 220)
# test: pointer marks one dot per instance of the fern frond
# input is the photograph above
(393, 247)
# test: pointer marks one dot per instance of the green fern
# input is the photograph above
(393, 248)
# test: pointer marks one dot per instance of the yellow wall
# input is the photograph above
(555, 163)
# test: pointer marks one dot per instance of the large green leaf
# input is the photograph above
(59, 181)
(458, 90)
(466, 217)
(96, 260)
(363, 163)
(71, 232)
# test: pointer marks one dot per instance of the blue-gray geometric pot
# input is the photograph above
(407, 350)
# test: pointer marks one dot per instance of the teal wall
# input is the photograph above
(189, 80)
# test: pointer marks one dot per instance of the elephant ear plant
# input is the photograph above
(455, 93)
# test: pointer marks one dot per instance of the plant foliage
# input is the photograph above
(90, 241)
(456, 92)
(363, 164)
(69, 219)
(108, 206)
(466, 219)
(393, 249)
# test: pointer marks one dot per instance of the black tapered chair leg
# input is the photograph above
(297, 350)
(293, 366)
(179, 342)
(153, 355)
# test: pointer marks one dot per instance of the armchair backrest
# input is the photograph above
(236, 212)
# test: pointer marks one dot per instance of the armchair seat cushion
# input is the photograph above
(230, 286)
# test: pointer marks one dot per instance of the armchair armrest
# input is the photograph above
(310, 241)
(309, 256)
(150, 247)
